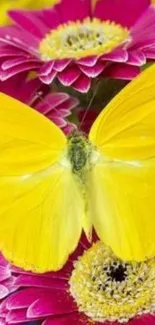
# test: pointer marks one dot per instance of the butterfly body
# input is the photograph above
(52, 187)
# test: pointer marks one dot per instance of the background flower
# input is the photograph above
(57, 106)
(53, 298)
(117, 48)
(9, 4)
(7, 279)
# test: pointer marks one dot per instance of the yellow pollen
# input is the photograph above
(107, 289)
(81, 39)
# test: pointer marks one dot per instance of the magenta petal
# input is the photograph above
(89, 61)
(10, 284)
(49, 78)
(41, 281)
(121, 71)
(143, 320)
(11, 63)
(68, 76)
(69, 128)
(53, 304)
(2, 321)
(7, 51)
(124, 12)
(46, 68)
(16, 316)
(24, 298)
(4, 273)
(80, 10)
(64, 273)
(61, 123)
(51, 17)
(82, 84)
(118, 55)
(51, 101)
(3, 291)
(93, 72)
(136, 58)
(4, 75)
(74, 318)
(30, 22)
(149, 53)
(3, 261)
(69, 104)
(60, 65)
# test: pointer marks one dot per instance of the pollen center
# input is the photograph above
(80, 39)
(107, 289)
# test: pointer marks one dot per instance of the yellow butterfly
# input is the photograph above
(53, 187)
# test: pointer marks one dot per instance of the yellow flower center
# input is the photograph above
(80, 39)
(107, 289)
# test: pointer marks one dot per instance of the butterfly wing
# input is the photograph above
(123, 180)
(37, 194)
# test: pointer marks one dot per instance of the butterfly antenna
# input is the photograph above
(90, 104)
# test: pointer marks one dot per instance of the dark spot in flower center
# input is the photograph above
(118, 272)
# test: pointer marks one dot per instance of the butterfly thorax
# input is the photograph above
(79, 153)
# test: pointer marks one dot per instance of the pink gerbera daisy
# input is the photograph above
(94, 287)
(73, 44)
(56, 106)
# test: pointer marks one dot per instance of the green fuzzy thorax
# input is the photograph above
(79, 153)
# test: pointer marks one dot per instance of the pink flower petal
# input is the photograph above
(10, 283)
(51, 101)
(136, 58)
(74, 318)
(30, 22)
(68, 76)
(46, 68)
(93, 72)
(80, 10)
(4, 75)
(54, 304)
(142, 32)
(24, 298)
(123, 12)
(17, 316)
(5, 273)
(121, 71)
(41, 281)
(3, 291)
(149, 52)
(61, 123)
(118, 55)
(143, 320)
(60, 65)
(7, 51)
(64, 273)
(48, 78)
(68, 105)
(11, 63)
(69, 128)
(82, 84)
(89, 61)
(3, 261)
(2, 321)
(51, 17)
